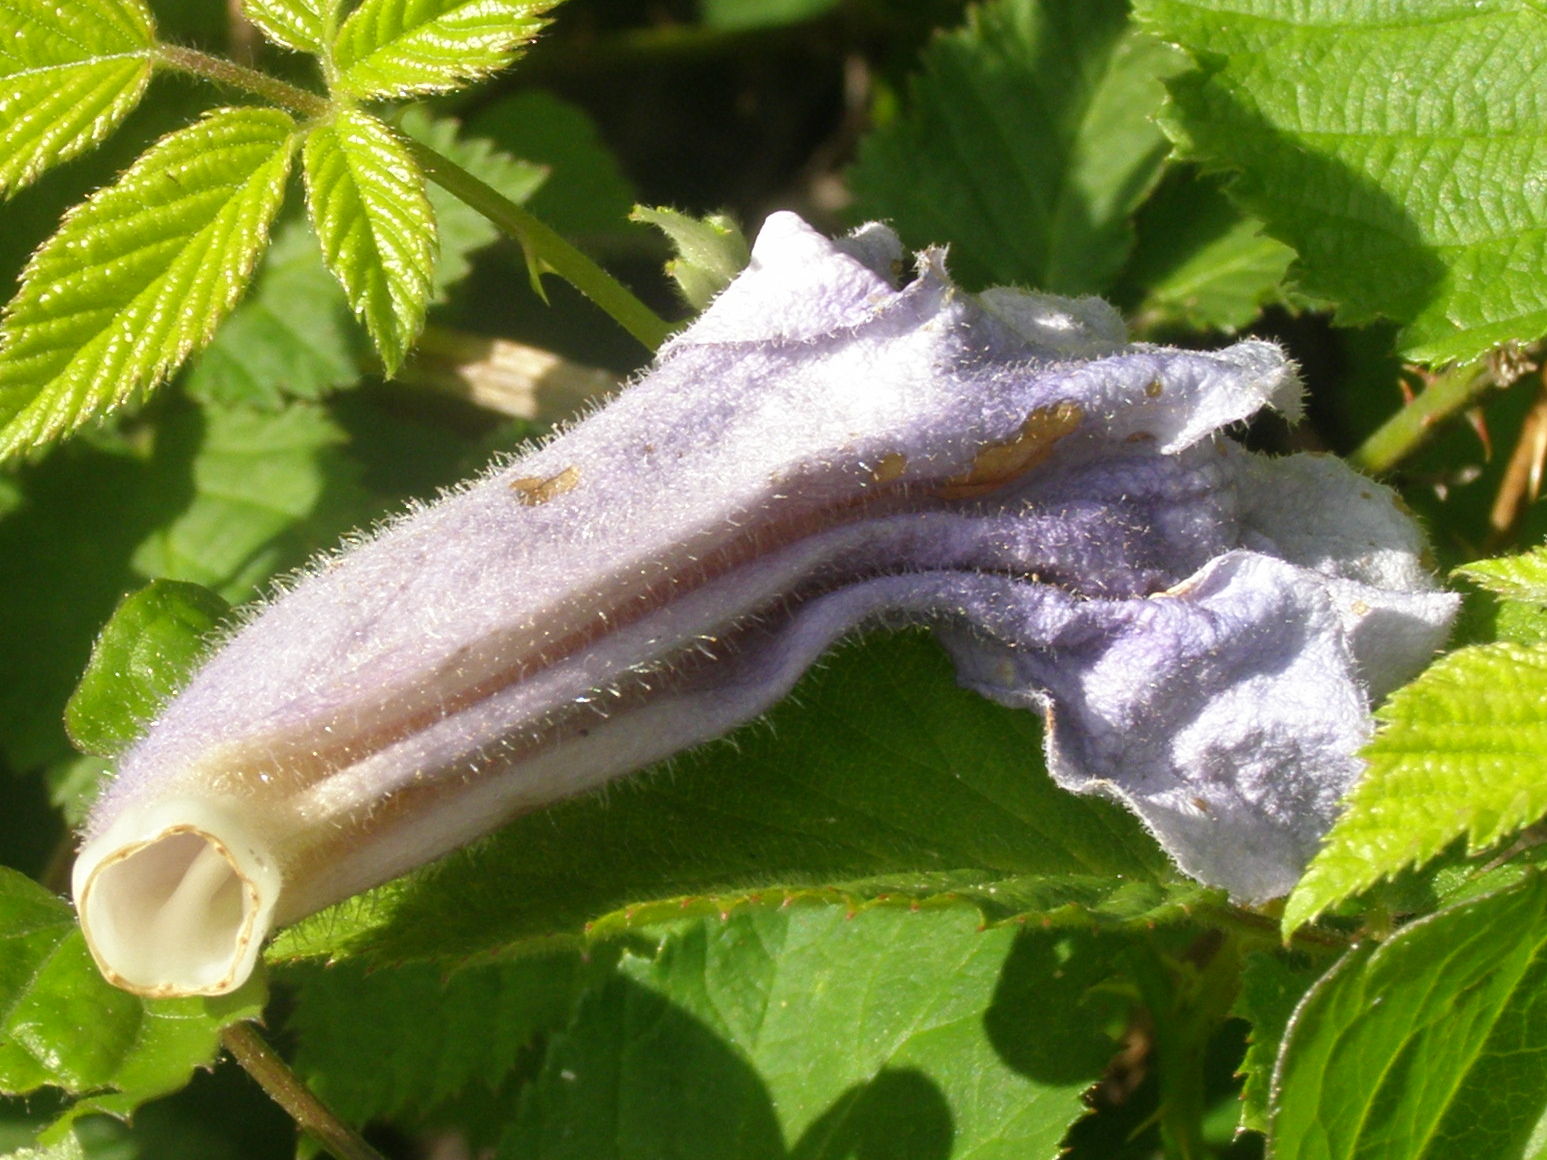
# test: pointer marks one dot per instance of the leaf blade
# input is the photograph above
(1423, 1046)
(1399, 198)
(1462, 754)
(69, 75)
(723, 1043)
(140, 274)
(370, 211)
(1048, 209)
(399, 48)
(302, 25)
(62, 1025)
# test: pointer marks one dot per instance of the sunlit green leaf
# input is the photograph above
(1462, 753)
(368, 206)
(1027, 142)
(143, 655)
(1429, 1045)
(1200, 262)
(1393, 143)
(304, 25)
(62, 1025)
(396, 48)
(69, 73)
(822, 1036)
(1522, 577)
(140, 274)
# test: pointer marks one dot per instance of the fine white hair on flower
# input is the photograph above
(1202, 628)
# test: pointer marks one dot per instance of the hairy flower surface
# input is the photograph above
(1202, 628)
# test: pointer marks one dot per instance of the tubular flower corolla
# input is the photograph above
(828, 445)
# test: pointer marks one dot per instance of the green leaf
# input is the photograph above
(1028, 141)
(62, 1025)
(292, 337)
(1200, 263)
(878, 778)
(1429, 1045)
(267, 491)
(69, 75)
(368, 206)
(431, 1036)
(1404, 199)
(1271, 986)
(221, 498)
(460, 228)
(304, 25)
(818, 1035)
(711, 251)
(140, 274)
(587, 192)
(739, 15)
(1462, 752)
(397, 48)
(143, 655)
(1520, 578)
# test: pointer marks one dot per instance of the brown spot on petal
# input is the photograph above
(1155, 389)
(999, 463)
(533, 489)
(890, 467)
(1140, 437)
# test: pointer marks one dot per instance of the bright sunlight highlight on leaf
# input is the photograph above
(368, 206)
(304, 25)
(1463, 754)
(69, 73)
(395, 48)
(140, 274)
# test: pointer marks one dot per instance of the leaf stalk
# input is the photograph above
(227, 72)
(285, 1088)
(544, 248)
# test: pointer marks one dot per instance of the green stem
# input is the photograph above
(285, 1088)
(1444, 395)
(228, 72)
(544, 247)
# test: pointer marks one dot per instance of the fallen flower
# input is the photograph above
(1202, 628)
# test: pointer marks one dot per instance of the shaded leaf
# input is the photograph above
(143, 655)
(1462, 752)
(879, 777)
(586, 191)
(1027, 141)
(430, 1036)
(1200, 262)
(396, 48)
(69, 74)
(1428, 1045)
(267, 491)
(368, 205)
(220, 498)
(292, 337)
(62, 1025)
(953, 1041)
(140, 274)
(1404, 199)
(1271, 987)
(304, 25)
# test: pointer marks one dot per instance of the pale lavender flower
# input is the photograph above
(1202, 628)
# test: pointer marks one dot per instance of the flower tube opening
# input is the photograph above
(176, 901)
